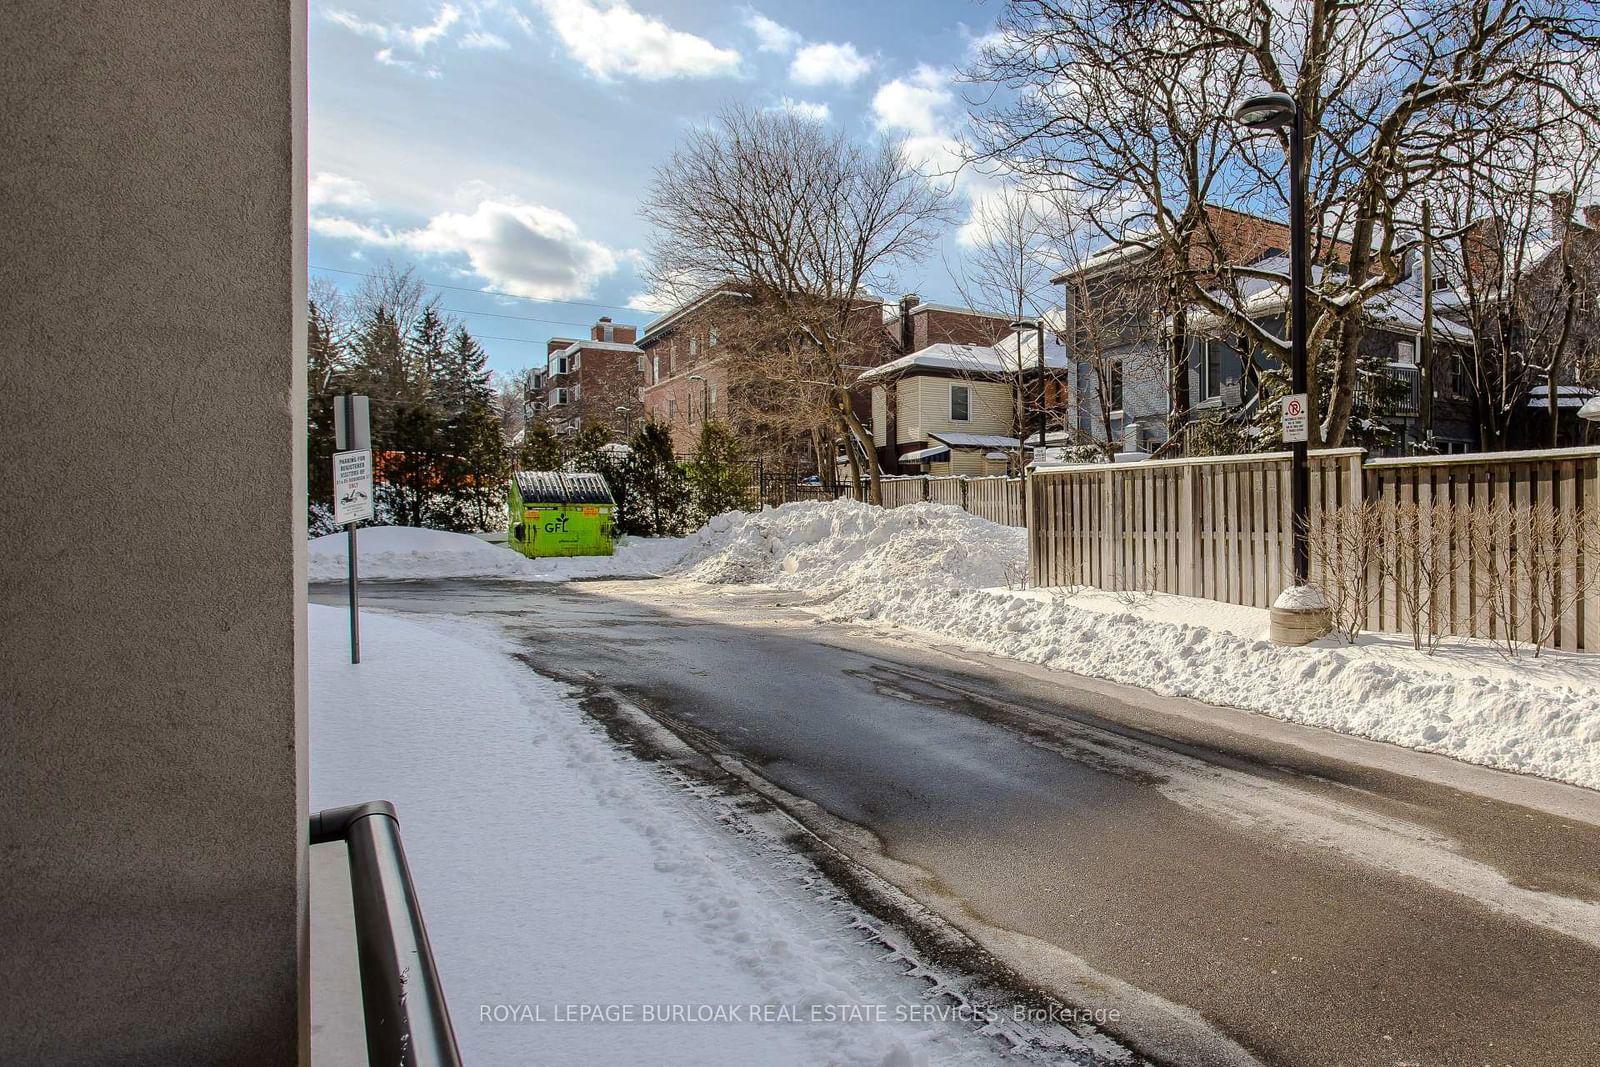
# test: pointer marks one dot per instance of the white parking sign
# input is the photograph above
(352, 486)
(1295, 421)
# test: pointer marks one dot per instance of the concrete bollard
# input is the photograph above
(1299, 616)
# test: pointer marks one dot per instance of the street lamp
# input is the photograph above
(1275, 111)
(705, 389)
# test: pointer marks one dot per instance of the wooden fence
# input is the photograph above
(1219, 527)
(996, 498)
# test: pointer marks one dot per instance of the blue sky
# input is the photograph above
(504, 144)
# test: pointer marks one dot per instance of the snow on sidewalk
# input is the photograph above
(941, 570)
(400, 552)
(559, 875)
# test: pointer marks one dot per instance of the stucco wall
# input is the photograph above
(152, 679)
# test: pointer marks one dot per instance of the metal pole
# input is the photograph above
(350, 535)
(1425, 356)
(1044, 390)
(1300, 477)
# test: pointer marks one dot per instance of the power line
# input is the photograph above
(519, 318)
(508, 296)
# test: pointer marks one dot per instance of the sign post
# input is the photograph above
(352, 490)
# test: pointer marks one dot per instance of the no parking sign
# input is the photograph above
(1295, 422)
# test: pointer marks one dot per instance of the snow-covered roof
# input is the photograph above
(974, 440)
(1567, 396)
(1134, 243)
(604, 346)
(1399, 308)
(925, 453)
(958, 311)
(970, 359)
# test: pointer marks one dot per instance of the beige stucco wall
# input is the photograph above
(151, 579)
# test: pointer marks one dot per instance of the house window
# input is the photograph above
(711, 337)
(713, 401)
(1114, 381)
(577, 393)
(960, 403)
(672, 410)
(572, 364)
(1406, 352)
(694, 346)
(655, 369)
(1211, 369)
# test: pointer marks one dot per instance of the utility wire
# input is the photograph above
(509, 296)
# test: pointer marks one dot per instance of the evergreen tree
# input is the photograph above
(717, 475)
(325, 365)
(540, 449)
(474, 441)
(658, 502)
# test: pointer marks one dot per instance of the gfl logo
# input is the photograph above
(556, 525)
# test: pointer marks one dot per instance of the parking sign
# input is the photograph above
(352, 486)
(1296, 426)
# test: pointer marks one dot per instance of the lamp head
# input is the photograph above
(1268, 111)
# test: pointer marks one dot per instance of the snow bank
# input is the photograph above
(927, 566)
(845, 543)
(556, 872)
(409, 552)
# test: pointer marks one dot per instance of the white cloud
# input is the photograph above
(415, 38)
(484, 39)
(821, 64)
(519, 248)
(327, 188)
(817, 112)
(771, 36)
(921, 108)
(919, 104)
(613, 40)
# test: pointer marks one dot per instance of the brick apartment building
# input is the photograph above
(595, 379)
(687, 379)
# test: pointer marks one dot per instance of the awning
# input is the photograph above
(923, 455)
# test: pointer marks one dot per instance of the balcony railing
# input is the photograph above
(407, 1021)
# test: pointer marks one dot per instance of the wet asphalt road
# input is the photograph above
(1237, 887)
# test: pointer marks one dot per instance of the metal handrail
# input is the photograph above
(407, 1021)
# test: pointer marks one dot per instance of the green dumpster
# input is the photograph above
(554, 513)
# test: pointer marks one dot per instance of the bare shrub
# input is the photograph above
(1527, 560)
(1136, 585)
(1419, 561)
(1348, 543)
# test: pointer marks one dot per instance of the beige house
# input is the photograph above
(951, 408)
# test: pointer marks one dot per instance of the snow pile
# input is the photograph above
(557, 872)
(926, 566)
(388, 552)
(843, 544)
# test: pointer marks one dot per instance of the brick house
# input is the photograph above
(595, 379)
(687, 378)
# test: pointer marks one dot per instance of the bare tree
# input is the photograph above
(805, 223)
(1130, 104)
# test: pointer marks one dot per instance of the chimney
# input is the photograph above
(1560, 215)
(602, 329)
(907, 302)
(556, 344)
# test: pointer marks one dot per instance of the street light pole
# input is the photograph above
(1275, 111)
(1300, 487)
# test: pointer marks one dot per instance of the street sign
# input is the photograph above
(1296, 423)
(352, 486)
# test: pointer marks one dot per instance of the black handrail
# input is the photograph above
(408, 1024)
